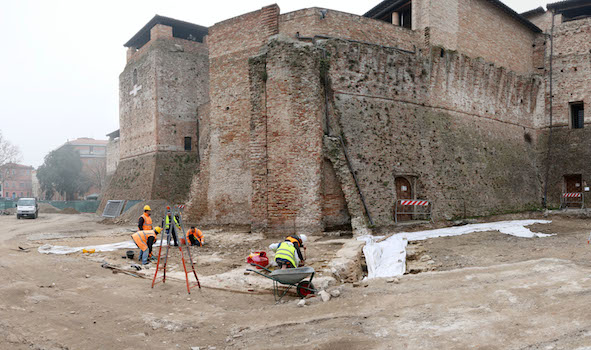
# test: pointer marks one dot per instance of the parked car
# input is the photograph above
(27, 207)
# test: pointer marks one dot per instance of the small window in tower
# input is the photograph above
(187, 143)
(135, 77)
(577, 117)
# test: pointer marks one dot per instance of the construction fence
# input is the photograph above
(81, 206)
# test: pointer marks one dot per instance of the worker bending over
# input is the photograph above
(287, 255)
(195, 237)
(144, 240)
(145, 221)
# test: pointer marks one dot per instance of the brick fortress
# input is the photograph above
(291, 122)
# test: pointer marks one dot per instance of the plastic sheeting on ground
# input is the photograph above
(388, 258)
(57, 249)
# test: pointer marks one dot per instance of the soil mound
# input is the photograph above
(9, 211)
(46, 208)
(70, 211)
(132, 215)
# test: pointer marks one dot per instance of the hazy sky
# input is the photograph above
(60, 60)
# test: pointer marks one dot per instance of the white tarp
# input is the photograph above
(388, 258)
(58, 249)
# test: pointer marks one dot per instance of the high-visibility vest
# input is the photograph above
(197, 234)
(141, 238)
(167, 222)
(147, 222)
(286, 251)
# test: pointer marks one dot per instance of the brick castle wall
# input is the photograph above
(477, 28)
(457, 124)
(570, 148)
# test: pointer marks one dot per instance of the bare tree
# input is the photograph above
(8, 152)
(96, 173)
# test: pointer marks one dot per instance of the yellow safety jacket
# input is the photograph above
(286, 251)
(167, 226)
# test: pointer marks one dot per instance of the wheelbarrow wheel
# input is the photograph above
(305, 288)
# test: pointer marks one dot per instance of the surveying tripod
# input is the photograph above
(176, 210)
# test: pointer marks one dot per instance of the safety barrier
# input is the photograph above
(572, 199)
(413, 209)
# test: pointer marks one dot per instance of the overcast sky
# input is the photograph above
(60, 60)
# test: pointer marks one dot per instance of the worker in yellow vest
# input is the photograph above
(176, 227)
(145, 221)
(285, 255)
(195, 237)
(144, 240)
(298, 242)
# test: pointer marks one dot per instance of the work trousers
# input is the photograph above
(194, 241)
(173, 232)
(144, 255)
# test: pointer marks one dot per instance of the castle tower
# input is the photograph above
(164, 82)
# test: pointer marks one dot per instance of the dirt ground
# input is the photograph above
(487, 291)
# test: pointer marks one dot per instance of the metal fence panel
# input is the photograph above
(81, 206)
(113, 208)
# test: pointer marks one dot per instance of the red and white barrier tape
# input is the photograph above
(418, 203)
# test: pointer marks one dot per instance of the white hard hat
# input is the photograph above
(304, 238)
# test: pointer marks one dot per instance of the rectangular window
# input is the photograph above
(577, 117)
(187, 143)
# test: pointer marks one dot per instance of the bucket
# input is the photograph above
(259, 258)
(130, 254)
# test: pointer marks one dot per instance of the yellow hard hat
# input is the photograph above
(147, 207)
(157, 229)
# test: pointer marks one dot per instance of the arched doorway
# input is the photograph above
(403, 191)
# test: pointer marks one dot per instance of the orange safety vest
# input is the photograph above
(141, 238)
(197, 234)
(147, 222)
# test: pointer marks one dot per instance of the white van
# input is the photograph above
(27, 207)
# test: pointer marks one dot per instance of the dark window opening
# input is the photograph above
(135, 77)
(577, 115)
(399, 14)
(187, 143)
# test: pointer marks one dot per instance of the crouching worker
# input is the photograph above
(144, 240)
(195, 237)
(285, 255)
(298, 242)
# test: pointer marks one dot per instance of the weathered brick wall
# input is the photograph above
(310, 22)
(112, 156)
(231, 43)
(290, 128)
(570, 148)
(458, 124)
(335, 212)
(183, 85)
(477, 28)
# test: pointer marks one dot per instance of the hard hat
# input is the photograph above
(157, 229)
(147, 207)
(304, 238)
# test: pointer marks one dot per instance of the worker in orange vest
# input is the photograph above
(144, 240)
(195, 237)
(145, 221)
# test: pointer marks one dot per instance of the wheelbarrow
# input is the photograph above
(291, 278)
